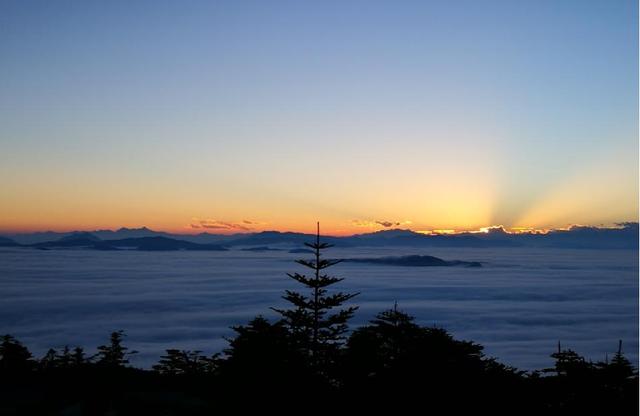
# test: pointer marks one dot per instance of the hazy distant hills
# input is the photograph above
(90, 241)
(625, 237)
(7, 242)
(415, 261)
(122, 233)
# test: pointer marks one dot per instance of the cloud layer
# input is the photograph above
(518, 305)
(212, 224)
(379, 223)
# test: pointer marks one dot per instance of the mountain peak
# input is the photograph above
(395, 232)
(80, 235)
(134, 229)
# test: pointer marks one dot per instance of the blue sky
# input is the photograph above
(439, 114)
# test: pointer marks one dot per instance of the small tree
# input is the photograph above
(314, 329)
(78, 357)
(50, 360)
(65, 358)
(114, 354)
(185, 362)
(569, 363)
(618, 371)
(14, 357)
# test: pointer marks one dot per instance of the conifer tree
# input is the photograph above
(619, 369)
(114, 354)
(65, 359)
(260, 347)
(569, 363)
(317, 329)
(50, 360)
(185, 362)
(78, 357)
(14, 357)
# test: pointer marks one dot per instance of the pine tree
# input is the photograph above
(14, 357)
(260, 347)
(50, 360)
(569, 363)
(78, 357)
(185, 362)
(114, 354)
(619, 369)
(65, 359)
(316, 330)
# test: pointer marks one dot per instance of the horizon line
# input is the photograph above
(432, 232)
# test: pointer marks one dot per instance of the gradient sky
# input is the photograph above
(224, 116)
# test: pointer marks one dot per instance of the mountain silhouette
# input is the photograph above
(142, 244)
(160, 244)
(7, 242)
(81, 235)
(577, 237)
(414, 261)
(260, 248)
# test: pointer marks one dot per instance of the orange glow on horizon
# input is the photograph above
(327, 231)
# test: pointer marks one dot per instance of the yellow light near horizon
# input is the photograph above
(601, 194)
(434, 199)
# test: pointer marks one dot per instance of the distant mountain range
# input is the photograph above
(141, 244)
(84, 240)
(624, 237)
(415, 261)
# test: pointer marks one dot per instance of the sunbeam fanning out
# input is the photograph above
(450, 186)
(525, 115)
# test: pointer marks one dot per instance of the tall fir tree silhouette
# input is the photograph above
(316, 329)
(619, 369)
(114, 354)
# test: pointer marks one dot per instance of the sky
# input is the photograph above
(227, 116)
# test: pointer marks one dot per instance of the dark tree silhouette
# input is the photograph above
(185, 362)
(114, 354)
(78, 357)
(260, 349)
(390, 363)
(49, 361)
(65, 358)
(393, 343)
(618, 375)
(395, 361)
(620, 368)
(316, 329)
(583, 387)
(14, 357)
(569, 363)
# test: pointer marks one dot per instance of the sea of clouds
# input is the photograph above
(518, 305)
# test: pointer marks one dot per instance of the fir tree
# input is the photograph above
(260, 349)
(14, 357)
(569, 363)
(78, 357)
(315, 328)
(617, 371)
(185, 362)
(65, 359)
(50, 360)
(114, 354)
(621, 364)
